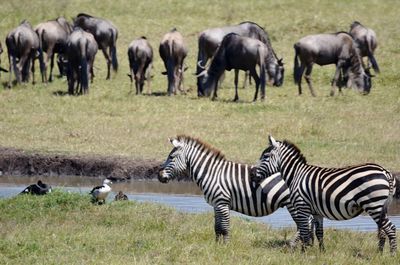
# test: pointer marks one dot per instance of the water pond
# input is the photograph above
(184, 196)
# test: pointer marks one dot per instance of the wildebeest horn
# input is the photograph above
(164, 73)
(280, 61)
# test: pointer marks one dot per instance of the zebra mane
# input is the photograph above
(191, 140)
(297, 151)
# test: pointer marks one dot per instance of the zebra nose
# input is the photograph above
(161, 176)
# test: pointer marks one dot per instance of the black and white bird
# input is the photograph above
(100, 193)
(39, 188)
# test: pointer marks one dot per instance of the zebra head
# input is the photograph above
(175, 165)
(269, 162)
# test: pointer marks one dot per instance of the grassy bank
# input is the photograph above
(64, 228)
(331, 131)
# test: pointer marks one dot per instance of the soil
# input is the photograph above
(15, 162)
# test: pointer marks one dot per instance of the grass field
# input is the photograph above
(331, 131)
(62, 228)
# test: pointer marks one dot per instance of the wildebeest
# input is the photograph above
(140, 54)
(173, 52)
(81, 52)
(237, 52)
(366, 41)
(323, 49)
(53, 36)
(22, 46)
(210, 39)
(106, 35)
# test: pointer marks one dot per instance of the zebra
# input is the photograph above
(226, 185)
(333, 193)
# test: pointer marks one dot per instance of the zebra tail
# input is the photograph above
(296, 68)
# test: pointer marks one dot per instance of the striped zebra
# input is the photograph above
(226, 185)
(333, 193)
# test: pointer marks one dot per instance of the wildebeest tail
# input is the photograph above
(296, 67)
(262, 71)
(41, 60)
(84, 66)
(113, 49)
(371, 57)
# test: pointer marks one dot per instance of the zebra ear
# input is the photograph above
(272, 141)
(175, 142)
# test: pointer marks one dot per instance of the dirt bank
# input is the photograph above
(14, 162)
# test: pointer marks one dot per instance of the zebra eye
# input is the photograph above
(266, 156)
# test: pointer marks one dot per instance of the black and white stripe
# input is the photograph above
(226, 185)
(334, 193)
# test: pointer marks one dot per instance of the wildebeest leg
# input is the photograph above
(253, 74)
(148, 78)
(33, 68)
(11, 63)
(108, 59)
(301, 71)
(236, 85)
(334, 84)
(307, 76)
(51, 67)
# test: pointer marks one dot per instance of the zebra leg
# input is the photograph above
(301, 218)
(319, 231)
(296, 238)
(222, 219)
(382, 239)
(390, 230)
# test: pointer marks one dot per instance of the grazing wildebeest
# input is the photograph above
(106, 35)
(53, 36)
(336, 48)
(140, 54)
(210, 39)
(237, 52)
(366, 41)
(81, 52)
(22, 46)
(173, 52)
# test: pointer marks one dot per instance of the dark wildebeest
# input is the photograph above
(81, 51)
(140, 54)
(22, 46)
(53, 36)
(210, 39)
(242, 53)
(323, 49)
(173, 52)
(106, 35)
(366, 41)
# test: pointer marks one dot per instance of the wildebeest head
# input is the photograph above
(279, 73)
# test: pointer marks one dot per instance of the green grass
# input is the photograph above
(65, 228)
(331, 131)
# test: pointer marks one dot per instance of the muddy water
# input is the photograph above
(184, 196)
